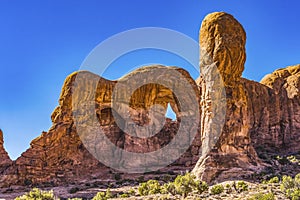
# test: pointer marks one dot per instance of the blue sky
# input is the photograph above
(41, 42)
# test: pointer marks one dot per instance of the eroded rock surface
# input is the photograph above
(59, 155)
(222, 41)
(260, 117)
(239, 118)
(274, 107)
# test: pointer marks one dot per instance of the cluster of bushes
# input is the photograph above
(182, 185)
(262, 196)
(103, 195)
(291, 187)
(37, 194)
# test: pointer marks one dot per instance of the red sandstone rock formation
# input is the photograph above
(59, 155)
(259, 116)
(222, 41)
(256, 116)
(5, 161)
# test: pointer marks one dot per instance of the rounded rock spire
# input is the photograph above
(222, 42)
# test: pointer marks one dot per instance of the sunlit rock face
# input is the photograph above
(259, 116)
(222, 41)
(59, 156)
(239, 118)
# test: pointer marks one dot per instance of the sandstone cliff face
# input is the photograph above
(275, 111)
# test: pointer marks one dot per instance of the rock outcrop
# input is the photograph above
(222, 41)
(259, 116)
(274, 107)
(238, 119)
(5, 161)
(60, 156)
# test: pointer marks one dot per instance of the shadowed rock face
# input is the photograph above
(274, 105)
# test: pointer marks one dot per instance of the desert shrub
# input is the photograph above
(163, 197)
(295, 195)
(37, 194)
(149, 187)
(125, 195)
(103, 195)
(228, 188)
(274, 180)
(291, 187)
(168, 188)
(217, 189)
(262, 196)
(241, 186)
(184, 184)
(131, 192)
(201, 186)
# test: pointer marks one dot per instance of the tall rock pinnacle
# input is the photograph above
(222, 42)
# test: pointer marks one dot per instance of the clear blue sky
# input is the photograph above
(41, 42)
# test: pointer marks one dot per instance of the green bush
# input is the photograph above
(131, 192)
(291, 187)
(201, 186)
(217, 189)
(228, 188)
(125, 195)
(168, 188)
(241, 186)
(103, 195)
(262, 196)
(149, 187)
(295, 195)
(37, 194)
(274, 180)
(184, 184)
